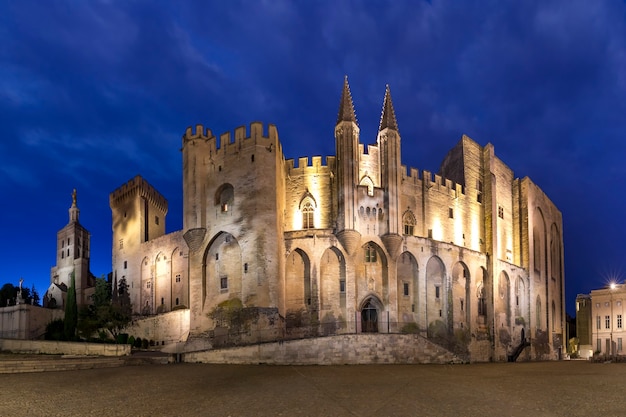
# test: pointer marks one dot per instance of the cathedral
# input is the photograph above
(470, 258)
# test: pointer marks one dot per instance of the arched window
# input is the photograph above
(408, 220)
(224, 197)
(307, 208)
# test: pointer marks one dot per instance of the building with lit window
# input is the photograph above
(470, 258)
(607, 320)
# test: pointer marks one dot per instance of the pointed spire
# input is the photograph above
(388, 118)
(346, 108)
(74, 209)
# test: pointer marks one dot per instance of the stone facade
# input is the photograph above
(471, 258)
(607, 321)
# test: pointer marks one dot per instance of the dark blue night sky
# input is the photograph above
(94, 92)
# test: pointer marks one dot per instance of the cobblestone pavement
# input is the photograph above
(568, 388)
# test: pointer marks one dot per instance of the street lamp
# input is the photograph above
(611, 320)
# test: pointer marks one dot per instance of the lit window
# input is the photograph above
(307, 215)
(370, 253)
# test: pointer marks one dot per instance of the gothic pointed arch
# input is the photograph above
(178, 278)
(371, 309)
(366, 181)
(436, 296)
(373, 274)
(555, 253)
(504, 292)
(222, 270)
(408, 287)
(146, 294)
(299, 296)
(332, 266)
(162, 287)
(539, 244)
(460, 295)
(521, 302)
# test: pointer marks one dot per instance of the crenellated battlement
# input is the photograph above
(228, 143)
(309, 166)
(431, 180)
(137, 187)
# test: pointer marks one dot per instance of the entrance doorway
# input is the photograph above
(369, 318)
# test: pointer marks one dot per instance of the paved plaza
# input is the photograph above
(568, 388)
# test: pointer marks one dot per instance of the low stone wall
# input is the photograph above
(351, 349)
(164, 329)
(63, 348)
(25, 321)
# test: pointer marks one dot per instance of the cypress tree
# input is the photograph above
(71, 312)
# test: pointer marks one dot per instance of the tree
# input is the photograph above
(7, 295)
(71, 311)
(35, 296)
(111, 309)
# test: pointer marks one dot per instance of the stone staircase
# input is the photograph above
(17, 363)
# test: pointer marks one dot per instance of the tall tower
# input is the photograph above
(73, 248)
(347, 150)
(391, 175)
(138, 212)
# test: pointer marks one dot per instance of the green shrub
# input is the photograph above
(410, 328)
(138, 343)
(131, 340)
(121, 339)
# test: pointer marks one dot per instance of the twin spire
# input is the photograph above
(346, 109)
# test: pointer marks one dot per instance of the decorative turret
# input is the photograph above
(347, 147)
(388, 116)
(391, 172)
(346, 108)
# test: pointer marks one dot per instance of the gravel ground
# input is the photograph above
(568, 388)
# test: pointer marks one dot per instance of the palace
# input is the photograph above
(470, 258)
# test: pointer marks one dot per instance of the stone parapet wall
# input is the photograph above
(25, 321)
(351, 349)
(163, 329)
(51, 347)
